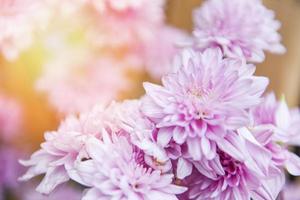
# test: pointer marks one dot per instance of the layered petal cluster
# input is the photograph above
(117, 170)
(205, 96)
(237, 181)
(18, 21)
(95, 151)
(241, 28)
(278, 127)
(62, 148)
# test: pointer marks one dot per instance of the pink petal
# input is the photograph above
(184, 168)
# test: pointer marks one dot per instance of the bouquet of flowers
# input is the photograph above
(208, 131)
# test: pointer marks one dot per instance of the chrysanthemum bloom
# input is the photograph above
(206, 95)
(77, 83)
(117, 170)
(277, 127)
(18, 19)
(246, 171)
(10, 118)
(62, 149)
(238, 181)
(142, 134)
(67, 146)
(241, 28)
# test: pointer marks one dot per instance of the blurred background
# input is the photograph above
(18, 78)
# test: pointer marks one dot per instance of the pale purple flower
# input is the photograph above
(241, 28)
(236, 183)
(235, 178)
(62, 148)
(143, 135)
(205, 96)
(117, 170)
(276, 127)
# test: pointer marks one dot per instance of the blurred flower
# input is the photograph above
(241, 28)
(10, 118)
(131, 7)
(139, 20)
(18, 20)
(207, 95)
(78, 82)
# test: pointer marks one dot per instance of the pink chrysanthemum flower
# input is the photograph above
(238, 181)
(78, 83)
(18, 19)
(142, 134)
(277, 127)
(206, 95)
(241, 28)
(62, 149)
(10, 118)
(244, 172)
(117, 170)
